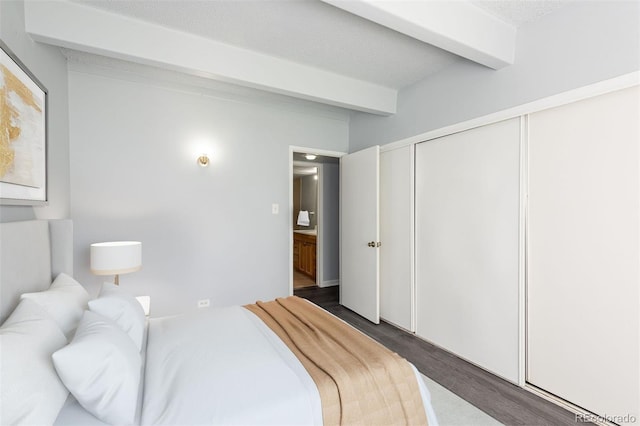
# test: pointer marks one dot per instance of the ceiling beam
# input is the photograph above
(455, 26)
(80, 27)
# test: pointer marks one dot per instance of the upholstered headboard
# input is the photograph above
(32, 254)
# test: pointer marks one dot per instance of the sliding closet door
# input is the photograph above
(467, 245)
(396, 235)
(584, 253)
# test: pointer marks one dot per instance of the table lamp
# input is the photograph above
(115, 258)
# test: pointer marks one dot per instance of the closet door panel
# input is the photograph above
(584, 253)
(396, 235)
(467, 245)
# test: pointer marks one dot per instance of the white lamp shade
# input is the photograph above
(118, 257)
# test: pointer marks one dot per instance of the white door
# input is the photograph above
(359, 232)
(467, 245)
(584, 254)
(396, 231)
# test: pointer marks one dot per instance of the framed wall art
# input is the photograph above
(23, 133)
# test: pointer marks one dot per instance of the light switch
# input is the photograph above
(275, 208)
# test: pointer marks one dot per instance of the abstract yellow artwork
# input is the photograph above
(22, 133)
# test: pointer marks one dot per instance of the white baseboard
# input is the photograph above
(329, 283)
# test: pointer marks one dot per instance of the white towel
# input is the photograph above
(303, 218)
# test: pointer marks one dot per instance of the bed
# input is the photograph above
(257, 364)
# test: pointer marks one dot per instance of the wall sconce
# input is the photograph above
(310, 156)
(203, 160)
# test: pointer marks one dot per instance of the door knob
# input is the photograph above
(371, 244)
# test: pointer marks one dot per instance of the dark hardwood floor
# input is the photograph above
(507, 403)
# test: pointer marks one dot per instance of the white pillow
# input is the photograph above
(123, 309)
(65, 301)
(101, 368)
(30, 392)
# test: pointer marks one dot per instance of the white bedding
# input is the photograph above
(229, 368)
(72, 412)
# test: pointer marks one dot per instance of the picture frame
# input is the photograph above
(23, 133)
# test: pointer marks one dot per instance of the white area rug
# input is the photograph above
(452, 410)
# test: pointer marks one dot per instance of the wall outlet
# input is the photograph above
(275, 208)
(204, 303)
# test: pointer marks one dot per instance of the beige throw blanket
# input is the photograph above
(360, 381)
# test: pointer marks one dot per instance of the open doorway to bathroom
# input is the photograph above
(315, 220)
(305, 225)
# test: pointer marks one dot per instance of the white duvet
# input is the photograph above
(222, 366)
(228, 368)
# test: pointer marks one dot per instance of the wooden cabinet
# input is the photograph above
(304, 254)
(296, 252)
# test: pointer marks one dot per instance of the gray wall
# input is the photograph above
(581, 43)
(206, 232)
(50, 67)
(309, 199)
(331, 222)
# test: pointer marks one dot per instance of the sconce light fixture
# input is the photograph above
(203, 160)
(310, 156)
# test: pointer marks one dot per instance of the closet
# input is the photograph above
(396, 233)
(467, 245)
(516, 246)
(584, 253)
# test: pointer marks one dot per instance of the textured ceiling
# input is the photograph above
(305, 31)
(520, 12)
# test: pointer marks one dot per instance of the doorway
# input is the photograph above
(314, 216)
(305, 224)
